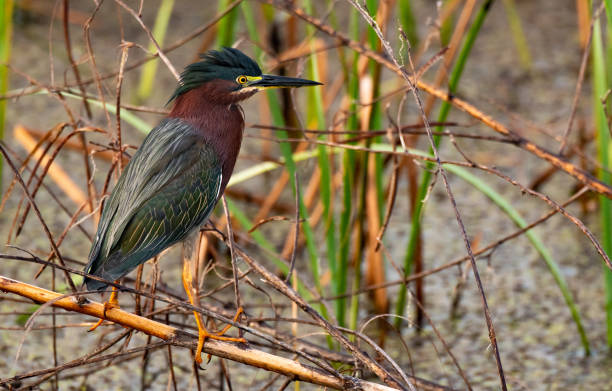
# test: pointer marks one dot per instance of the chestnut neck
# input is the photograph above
(214, 112)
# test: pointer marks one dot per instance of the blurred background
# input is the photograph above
(379, 249)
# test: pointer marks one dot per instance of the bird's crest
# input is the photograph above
(226, 64)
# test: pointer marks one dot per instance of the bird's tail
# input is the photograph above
(94, 285)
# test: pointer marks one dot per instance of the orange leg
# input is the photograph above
(110, 304)
(203, 334)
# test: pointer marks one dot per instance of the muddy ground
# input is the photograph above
(539, 345)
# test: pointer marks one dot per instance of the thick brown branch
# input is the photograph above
(239, 353)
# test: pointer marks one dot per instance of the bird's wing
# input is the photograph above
(168, 188)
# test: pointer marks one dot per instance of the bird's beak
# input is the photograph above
(273, 81)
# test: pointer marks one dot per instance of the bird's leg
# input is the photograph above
(203, 333)
(110, 304)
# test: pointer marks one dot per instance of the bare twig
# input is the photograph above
(230, 235)
(297, 227)
(160, 52)
(583, 65)
(125, 47)
(92, 59)
(40, 218)
(77, 75)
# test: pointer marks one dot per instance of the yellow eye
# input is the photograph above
(241, 79)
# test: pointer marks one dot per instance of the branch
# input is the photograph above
(234, 352)
(160, 52)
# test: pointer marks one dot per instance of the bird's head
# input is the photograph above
(232, 75)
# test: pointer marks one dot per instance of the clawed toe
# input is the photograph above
(111, 304)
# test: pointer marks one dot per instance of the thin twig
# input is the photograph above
(75, 69)
(583, 65)
(92, 59)
(297, 227)
(125, 47)
(160, 52)
(230, 235)
(38, 214)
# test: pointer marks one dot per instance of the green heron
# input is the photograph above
(174, 180)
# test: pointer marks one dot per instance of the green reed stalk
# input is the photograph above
(375, 122)
(445, 107)
(348, 183)
(407, 21)
(257, 236)
(518, 35)
(126, 115)
(360, 222)
(147, 78)
(446, 30)
(600, 87)
(225, 27)
(286, 151)
(6, 29)
(376, 116)
(315, 114)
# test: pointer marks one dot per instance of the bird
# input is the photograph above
(175, 178)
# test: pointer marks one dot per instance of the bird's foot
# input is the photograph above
(111, 304)
(239, 312)
(204, 334)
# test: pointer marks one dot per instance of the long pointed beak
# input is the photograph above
(273, 81)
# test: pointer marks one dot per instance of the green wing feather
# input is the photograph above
(169, 188)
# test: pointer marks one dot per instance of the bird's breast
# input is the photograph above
(221, 128)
